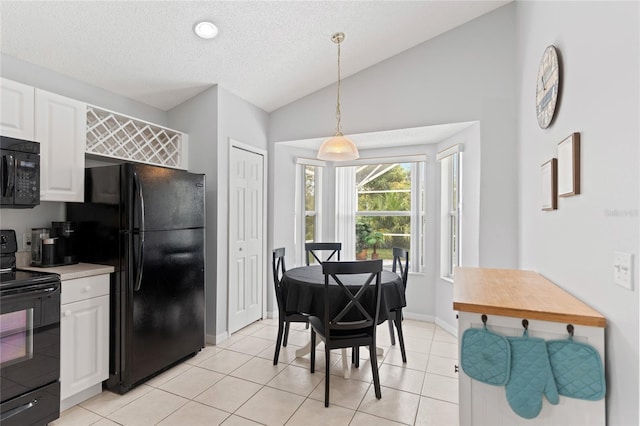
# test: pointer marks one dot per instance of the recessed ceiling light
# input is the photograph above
(205, 29)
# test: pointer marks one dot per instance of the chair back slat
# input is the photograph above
(400, 254)
(279, 269)
(365, 314)
(311, 248)
(354, 302)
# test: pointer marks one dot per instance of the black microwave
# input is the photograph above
(19, 173)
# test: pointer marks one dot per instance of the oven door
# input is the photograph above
(29, 338)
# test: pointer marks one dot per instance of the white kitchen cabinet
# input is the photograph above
(16, 110)
(60, 127)
(84, 338)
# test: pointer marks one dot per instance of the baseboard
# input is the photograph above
(430, 318)
(418, 317)
(217, 339)
(447, 327)
(81, 396)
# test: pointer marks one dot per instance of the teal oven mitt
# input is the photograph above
(531, 376)
(577, 369)
(485, 356)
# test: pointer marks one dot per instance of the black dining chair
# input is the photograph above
(284, 317)
(400, 264)
(312, 248)
(350, 324)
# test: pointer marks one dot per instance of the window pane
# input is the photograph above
(453, 243)
(384, 187)
(309, 228)
(372, 201)
(382, 233)
(310, 187)
(454, 182)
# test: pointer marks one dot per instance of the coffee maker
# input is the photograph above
(66, 242)
(38, 237)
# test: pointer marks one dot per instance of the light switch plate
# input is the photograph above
(623, 269)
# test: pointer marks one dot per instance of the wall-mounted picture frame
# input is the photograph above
(569, 166)
(549, 178)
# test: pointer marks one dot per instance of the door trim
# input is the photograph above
(233, 143)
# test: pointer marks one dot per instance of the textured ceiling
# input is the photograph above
(269, 53)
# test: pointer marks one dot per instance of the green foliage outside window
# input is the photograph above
(383, 188)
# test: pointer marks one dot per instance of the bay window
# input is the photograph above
(380, 205)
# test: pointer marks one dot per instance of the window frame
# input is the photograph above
(450, 211)
(317, 213)
(417, 213)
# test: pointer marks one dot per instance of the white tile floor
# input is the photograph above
(236, 383)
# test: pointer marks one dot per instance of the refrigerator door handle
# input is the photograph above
(138, 281)
(138, 189)
(140, 263)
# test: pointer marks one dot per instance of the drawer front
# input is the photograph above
(84, 288)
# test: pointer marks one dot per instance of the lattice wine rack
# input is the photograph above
(114, 135)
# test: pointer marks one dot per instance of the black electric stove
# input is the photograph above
(29, 341)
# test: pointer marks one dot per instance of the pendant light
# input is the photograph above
(338, 147)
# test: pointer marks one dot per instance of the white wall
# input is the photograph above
(573, 246)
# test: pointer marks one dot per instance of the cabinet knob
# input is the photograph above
(87, 289)
(67, 313)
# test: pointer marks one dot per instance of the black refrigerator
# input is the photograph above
(149, 223)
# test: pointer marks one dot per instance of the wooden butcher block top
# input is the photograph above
(520, 294)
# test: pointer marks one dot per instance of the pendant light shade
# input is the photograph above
(338, 147)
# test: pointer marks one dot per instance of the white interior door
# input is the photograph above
(246, 249)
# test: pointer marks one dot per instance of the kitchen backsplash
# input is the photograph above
(23, 258)
(22, 220)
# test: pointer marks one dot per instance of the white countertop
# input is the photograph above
(70, 272)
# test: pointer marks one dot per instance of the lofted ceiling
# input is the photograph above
(269, 53)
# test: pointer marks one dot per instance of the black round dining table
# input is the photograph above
(304, 291)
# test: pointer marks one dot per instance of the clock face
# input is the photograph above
(547, 87)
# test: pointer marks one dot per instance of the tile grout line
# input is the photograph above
(291, 363)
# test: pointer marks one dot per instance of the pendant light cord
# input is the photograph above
(338, 115)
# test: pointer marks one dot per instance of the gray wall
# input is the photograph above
(212, 119)
(486, 71)
(43, 78)
(245, 123)
(573, 246)
(199, 117)
(467, 74)
(14, 69)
